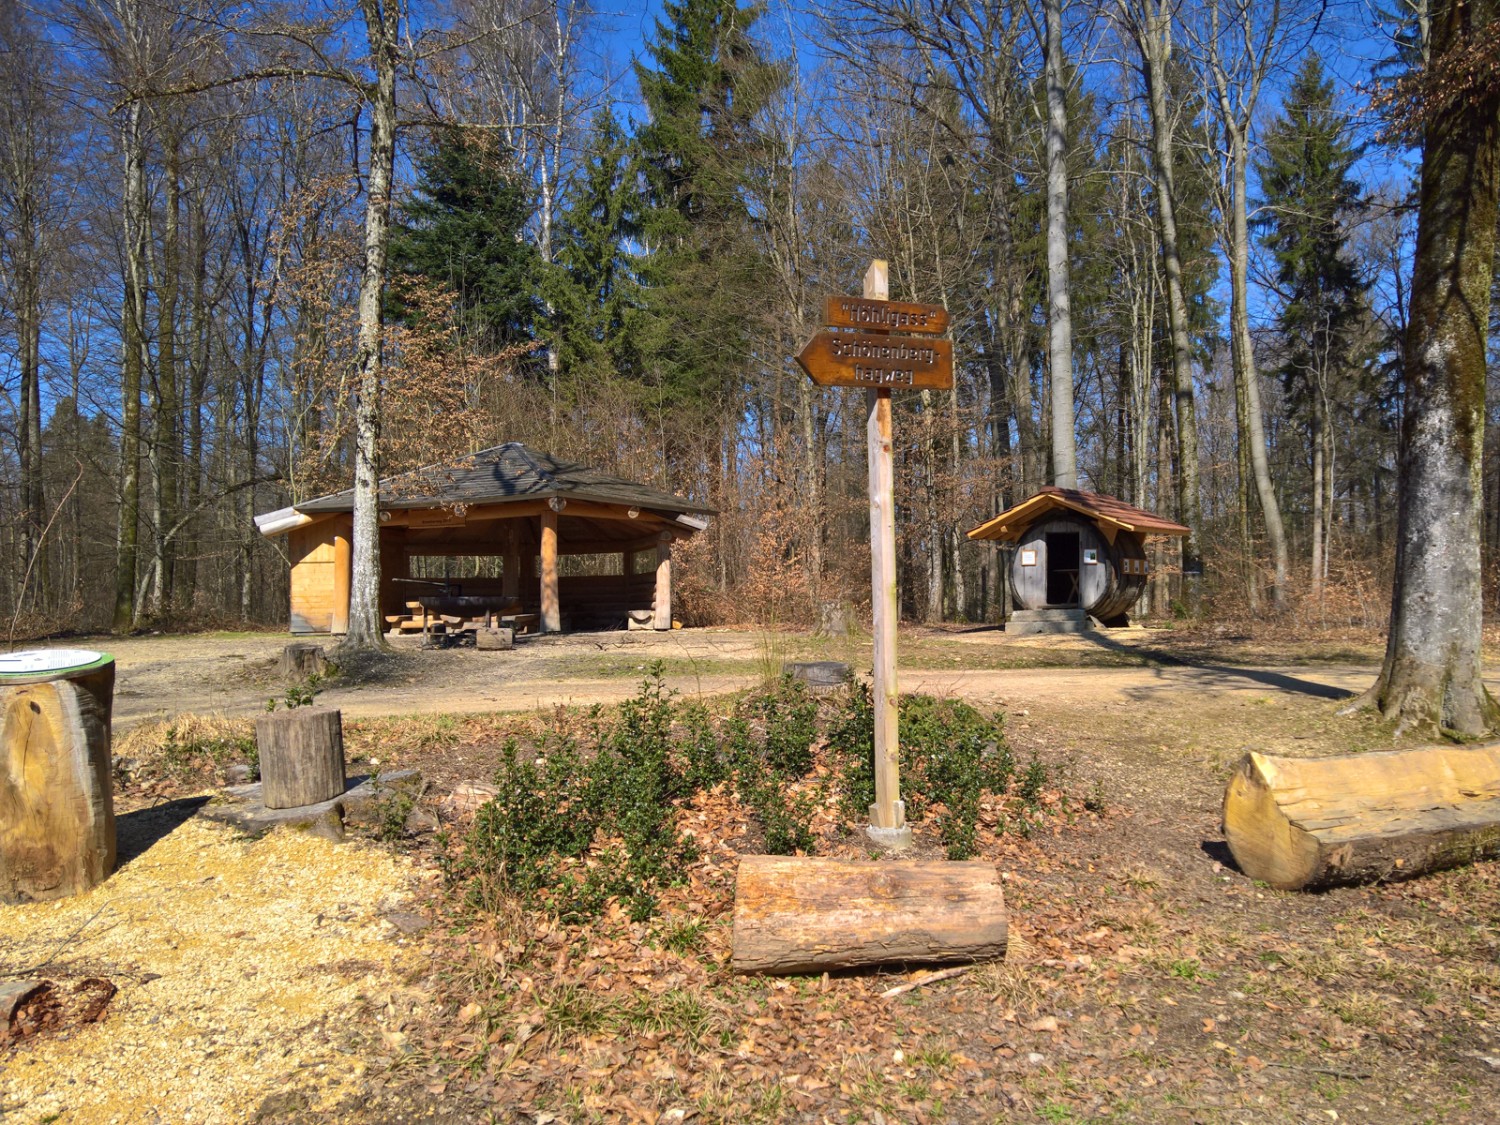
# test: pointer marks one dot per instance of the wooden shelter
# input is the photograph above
(511, 502)
(1077, 550)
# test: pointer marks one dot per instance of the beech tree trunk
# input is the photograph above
(1242, 352)
(132, 355)
(1059, 314)
(1432, 671)
(810, 915)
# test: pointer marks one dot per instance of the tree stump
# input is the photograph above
(1306, 824)
(494, 640)
(300, 661)
(301, 756)
(814, 915)
(820, 676)
(57, 817)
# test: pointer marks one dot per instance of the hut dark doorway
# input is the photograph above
(1062, 568)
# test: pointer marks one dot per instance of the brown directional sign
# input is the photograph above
(865, 359)
(885, 316)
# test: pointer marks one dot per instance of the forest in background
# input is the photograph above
(616, 261)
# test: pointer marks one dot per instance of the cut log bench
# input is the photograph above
(1307, 824)
(795, 915)
(57, 819)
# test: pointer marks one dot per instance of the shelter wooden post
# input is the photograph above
(664, 582)
(551, 609)
(510, 576)
(888, 814)
(343, 574)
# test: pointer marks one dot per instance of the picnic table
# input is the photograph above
(466, 607)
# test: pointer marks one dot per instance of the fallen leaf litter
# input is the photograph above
(241, 965)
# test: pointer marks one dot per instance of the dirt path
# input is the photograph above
(234, 674)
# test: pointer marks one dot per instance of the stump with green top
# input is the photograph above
(57, 820)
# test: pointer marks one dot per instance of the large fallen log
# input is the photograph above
(57, 820)
(812, 915)
(1305, 824)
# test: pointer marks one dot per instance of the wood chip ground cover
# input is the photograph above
(244, 967)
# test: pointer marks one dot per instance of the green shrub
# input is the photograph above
(951, 754)
(535, 838)
(851, 743)
(770, 744)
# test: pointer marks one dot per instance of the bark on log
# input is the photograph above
(299, 661)
(57, 819)
(301, 756)
(1308, 824)
(812, 915)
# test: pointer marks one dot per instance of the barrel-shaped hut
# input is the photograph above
(1077, 550)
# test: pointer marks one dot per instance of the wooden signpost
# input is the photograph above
(875, 358)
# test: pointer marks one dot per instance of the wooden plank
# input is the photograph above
(796, 915)
(885, 316)
(867, 359)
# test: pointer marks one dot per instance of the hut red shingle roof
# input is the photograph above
(1109, 511)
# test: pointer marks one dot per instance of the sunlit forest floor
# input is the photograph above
(234, 674)
(1147, 979)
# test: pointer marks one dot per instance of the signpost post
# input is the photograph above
(873, 358)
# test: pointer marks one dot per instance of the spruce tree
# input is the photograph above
(1310, 196)
(463, 229)
(702, 272)
(590, 286)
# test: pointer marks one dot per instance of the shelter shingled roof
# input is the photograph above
(1107, 510)
(504, 473)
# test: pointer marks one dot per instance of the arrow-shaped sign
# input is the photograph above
(866, 359)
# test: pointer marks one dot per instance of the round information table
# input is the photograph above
(57, 818)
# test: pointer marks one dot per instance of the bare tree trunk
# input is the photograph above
(1154, 38)
(1242, 353)
(811, 467)
(165, 450)
(1318, 423)
(1242, 495)
(1432, 674)
(381, 29)
(1059, 315)
(132, 349)
(932, 532)
(955, 540)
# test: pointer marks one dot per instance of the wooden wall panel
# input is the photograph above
(312, 578)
